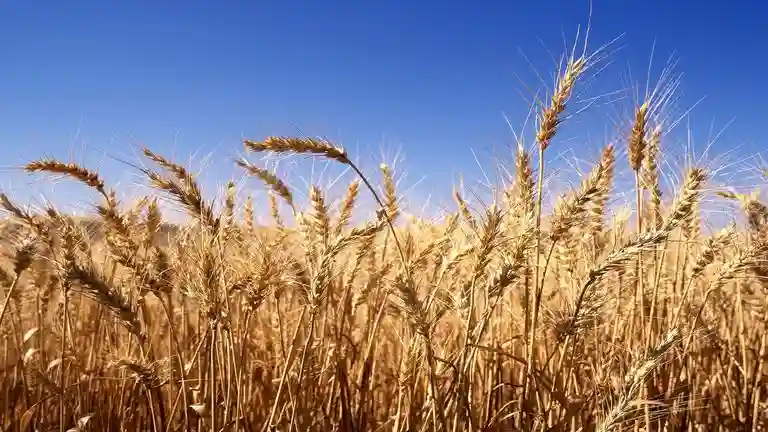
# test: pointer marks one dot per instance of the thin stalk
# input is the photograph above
(304, 355)
(8, 296)
(180, 361)
(214, 402)
(639, 293)
(269, 424)
(533, 317)
(62, 365)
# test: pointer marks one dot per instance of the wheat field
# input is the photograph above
(503, 315)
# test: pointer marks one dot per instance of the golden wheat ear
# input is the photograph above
(277, 185)
(74, 171)
(634, 381)
(390, 192)
(570, 208)
(637, 138)
(346, 207)
(550, 117)
(90, 283)
(15, 211)
(298, 145)
(184, 189)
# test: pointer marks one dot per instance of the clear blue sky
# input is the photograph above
(432, 79)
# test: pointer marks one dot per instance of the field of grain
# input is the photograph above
(502, 316)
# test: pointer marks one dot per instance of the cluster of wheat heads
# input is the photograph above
(505, 318)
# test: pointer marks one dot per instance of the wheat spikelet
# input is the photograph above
(71, 170)
(152, 222)
(635, 379)
(549, 119)
(346, 207)
(187, 193)
(637, 138)
(598, 208)
(229, 207)
(22, 259)
(10, 207)
(691, 227)
(410, 305)
(390, 194)
(276, 184)
(686, 202)
(189, 196)
(712, 245)
(512, 264)
(248, 214)
(274, 211)
(525, 199)
(464, 209)
(299, 145)
(257, 286)
(178, 171)
(487, 243)
(319, 217)
(89, 283)
(569, 209)
(652, 176)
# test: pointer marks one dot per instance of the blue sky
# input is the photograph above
(429, 79)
